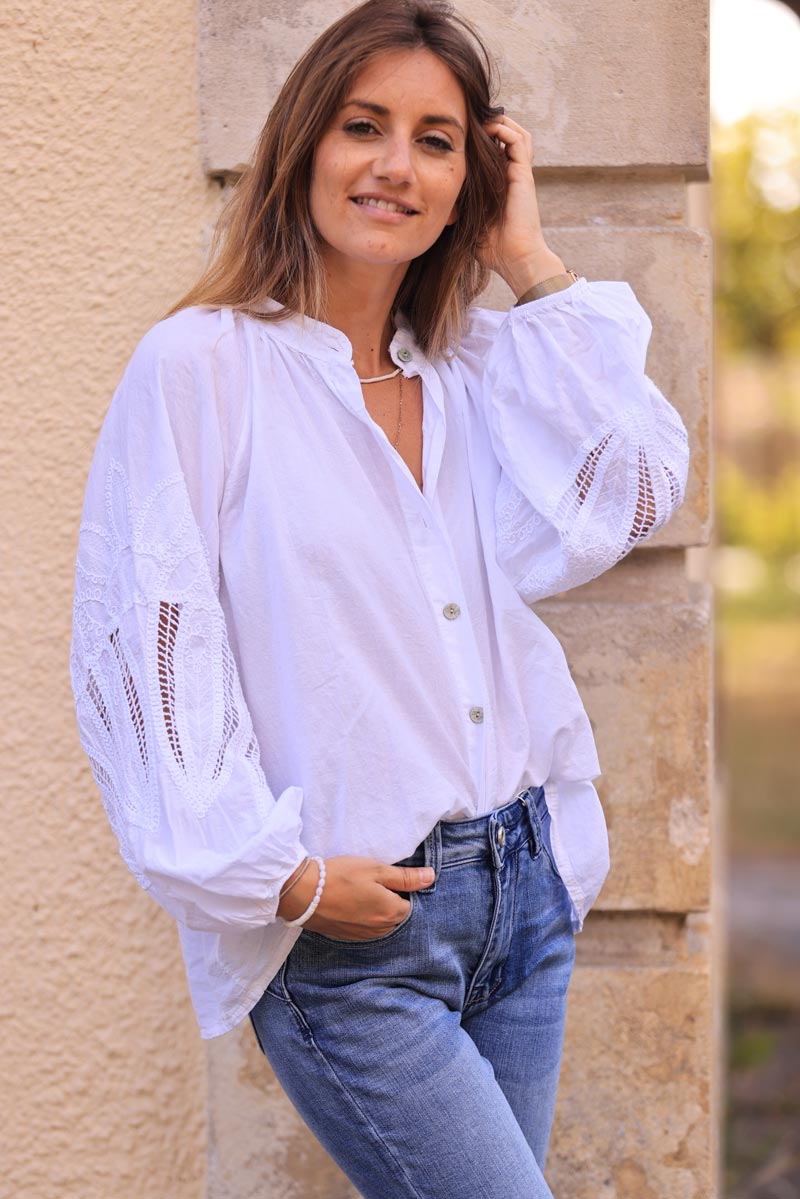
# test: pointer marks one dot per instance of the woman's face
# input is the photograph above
(388, 170)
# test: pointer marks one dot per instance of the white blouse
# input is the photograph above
(282, 646)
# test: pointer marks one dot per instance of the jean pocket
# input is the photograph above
(275, 985)
(545, 849)
(313, 935)
(548, 853)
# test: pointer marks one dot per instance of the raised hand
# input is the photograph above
(515, 247)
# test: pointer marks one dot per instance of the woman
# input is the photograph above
(333, 739)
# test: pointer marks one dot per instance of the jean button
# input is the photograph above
(501, 836)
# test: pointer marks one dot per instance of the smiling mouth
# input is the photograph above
(386, 205)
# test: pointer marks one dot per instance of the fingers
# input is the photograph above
(406, 878)
(355, 905)
(517, 141)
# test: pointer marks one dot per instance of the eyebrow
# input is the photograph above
(381, 111)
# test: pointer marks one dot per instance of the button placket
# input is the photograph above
(440, 576)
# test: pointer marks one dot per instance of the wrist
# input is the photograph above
(293, 904)
(297, 873)
(547, 287)
(533, 268)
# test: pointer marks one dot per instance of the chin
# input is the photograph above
(388, 257)
(378, 250)
(383, 255)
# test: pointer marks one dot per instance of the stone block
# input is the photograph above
(610, 201)
(633, 1111)
(643, 668)
(632, 94)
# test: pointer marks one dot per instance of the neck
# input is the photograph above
(359, 303)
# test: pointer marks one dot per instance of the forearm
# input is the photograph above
(531, 269)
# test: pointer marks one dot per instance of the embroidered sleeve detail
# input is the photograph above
(593, 458)
(151, 661)
(162, 717)
(161, 711)
(168, 619)
(624, 483)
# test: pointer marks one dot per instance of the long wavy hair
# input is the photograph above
(266, 246)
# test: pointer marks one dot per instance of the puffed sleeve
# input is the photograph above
(160, 708)
(594, 459)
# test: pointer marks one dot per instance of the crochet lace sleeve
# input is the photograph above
(594, 459)
(160, 709)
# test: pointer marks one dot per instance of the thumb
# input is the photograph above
(407, 878)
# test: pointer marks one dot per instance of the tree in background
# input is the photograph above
(756, 225)
(756, 219)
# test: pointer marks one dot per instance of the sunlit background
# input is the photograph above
(755, 565)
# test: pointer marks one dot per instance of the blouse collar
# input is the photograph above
(319, 340)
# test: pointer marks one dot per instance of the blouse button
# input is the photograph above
(404, 355)
(476, 715)
(451, 611)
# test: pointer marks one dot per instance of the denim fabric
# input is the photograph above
(426, 1060)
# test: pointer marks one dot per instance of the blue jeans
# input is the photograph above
(426, 1060)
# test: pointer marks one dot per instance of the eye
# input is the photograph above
(436, 143)
(359, 128)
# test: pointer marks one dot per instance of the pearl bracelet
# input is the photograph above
(312, 907)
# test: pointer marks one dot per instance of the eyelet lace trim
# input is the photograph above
(626, 480)
(155, 680)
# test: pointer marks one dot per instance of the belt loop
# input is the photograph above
(433, 856)
(533, 820)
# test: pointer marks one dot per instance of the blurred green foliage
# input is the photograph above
(765, 516)
(755, 216)
(752, 1046)
(756, 220)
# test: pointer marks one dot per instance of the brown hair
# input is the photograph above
(265, 244)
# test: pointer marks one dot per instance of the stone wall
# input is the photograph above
(619, 117)
(112, 157)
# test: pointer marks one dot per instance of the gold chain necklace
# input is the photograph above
(382, 379)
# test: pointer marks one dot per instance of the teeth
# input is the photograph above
(387, 204)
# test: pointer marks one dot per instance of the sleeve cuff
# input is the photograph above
(579, 291)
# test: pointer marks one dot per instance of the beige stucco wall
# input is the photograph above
(106, 199)
(103, 197)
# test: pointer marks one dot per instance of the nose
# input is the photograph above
(394, 163)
